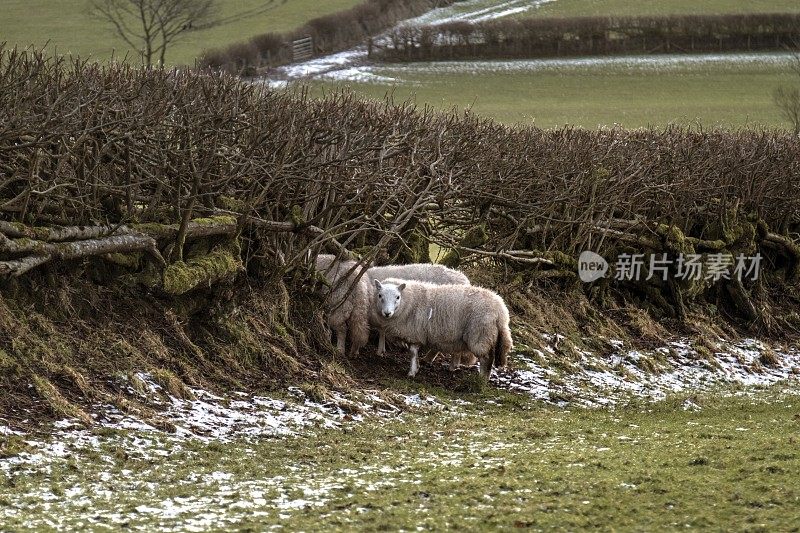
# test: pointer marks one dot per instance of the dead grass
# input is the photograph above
(93, 352)
(315, 392)
(769, 358)
(59, 405)
(172, 384)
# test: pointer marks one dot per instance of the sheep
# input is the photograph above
(450, 318)
(346, 316)
(426, 272)
(347, 301)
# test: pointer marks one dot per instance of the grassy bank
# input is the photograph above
(65, 26)
(502, 462)
(725, 95)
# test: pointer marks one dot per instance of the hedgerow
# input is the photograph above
(554, 37)
(166, 218)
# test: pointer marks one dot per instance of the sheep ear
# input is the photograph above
(401, 287)
(378, 284)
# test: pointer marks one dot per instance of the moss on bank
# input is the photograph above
(181, 277)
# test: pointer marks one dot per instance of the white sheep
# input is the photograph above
(426, 272)
(346, 301)
(450, 318)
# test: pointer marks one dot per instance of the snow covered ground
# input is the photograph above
(561, 374)
(354, 66)
(240, 415)
(628, 374)
(346, 65)
(476, 11)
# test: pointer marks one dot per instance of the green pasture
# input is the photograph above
(485, 462)
(727, 95)
(581, 8)
(67, 27)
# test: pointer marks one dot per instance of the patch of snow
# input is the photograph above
(7, 431)
(66, 423)
(348, 64)
(473, 11)
(640, 63)
(415, 400)
(362, 74)
(689, 405)
(211, 417)
(324, 64)
(598, 381)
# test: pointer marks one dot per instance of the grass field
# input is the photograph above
(580, 8)
(727, 95)
(65, 24)
(480, 10)
(500, 462)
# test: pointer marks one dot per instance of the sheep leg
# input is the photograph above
(414, 349)
(486, 366)
(341, 334)
(455, 361)
(381, 342)
(467, 359)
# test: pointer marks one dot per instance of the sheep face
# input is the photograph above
(388, 297)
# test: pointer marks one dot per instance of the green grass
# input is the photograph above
(579, 8)
(68, 28)
(713, 95)
(506, 464)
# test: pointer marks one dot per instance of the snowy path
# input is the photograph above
(471, 11)
(347, 68)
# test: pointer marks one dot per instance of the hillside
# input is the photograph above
(66, 27)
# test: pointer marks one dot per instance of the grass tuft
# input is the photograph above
(172, 384)
(471, 382)
(59, 405)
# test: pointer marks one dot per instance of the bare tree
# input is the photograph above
(788, 98)
(150, 26)
(788, 101)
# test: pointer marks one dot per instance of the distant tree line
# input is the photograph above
(533, 37)
(330, 33)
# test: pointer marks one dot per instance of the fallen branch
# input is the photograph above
(44, 252)
(17, 267)
(521, 256)
(61, 233)
(197, 228)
